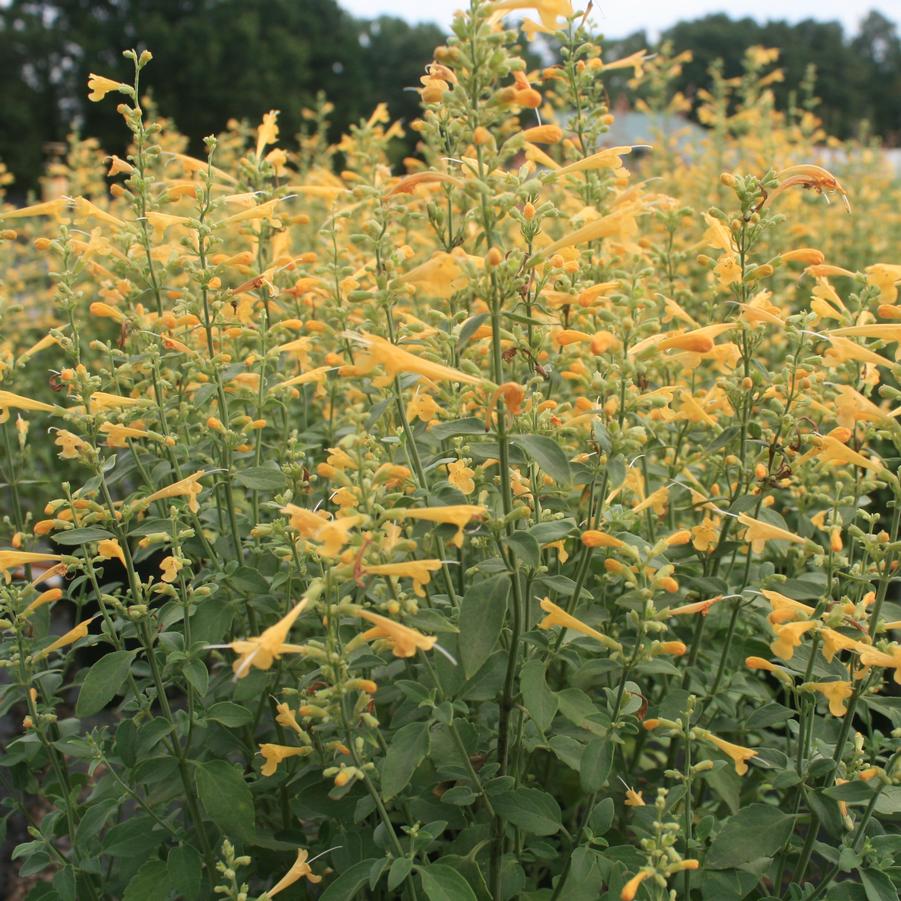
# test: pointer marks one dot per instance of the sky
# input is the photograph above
(616, 18)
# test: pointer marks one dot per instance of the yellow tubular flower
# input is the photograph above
(189, 487)
(300, 869)
(788, 637)
(75, 634)
(394, 360)
(404, 641)
(8, 401)
(758, 533)
(595, 538)
(836, 693)
(10, 559)
(784, 608)
(110, 548)
(420, 571)
(701, 607)
(557, 616)
(739, 754)
(45, 597)
(459, 515)
(275, 754)
(101, 86)
(261, 651)
(630, 889)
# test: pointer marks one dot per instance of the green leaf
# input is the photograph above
(401, 867)
(104, 680)
(150, 883)
(472, 425)
(601, 817)
(349, 883)
(538, 699)
(443, 883)
(468, 329)
(74, 537)
(229, 714)
(857, 792)
(546, 532)
(482, 613)
(525, 548)
(759, 830)
(136, 837)
(185, 871)
(262, 478)
(407, 749)
(594, 767)
(547, 454)
(719, 885)
(878, 886)
(226, 798)
(531, 809)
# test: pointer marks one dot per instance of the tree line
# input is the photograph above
(218, 59)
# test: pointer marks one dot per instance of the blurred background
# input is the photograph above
(216, 60)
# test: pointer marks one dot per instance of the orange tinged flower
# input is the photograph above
(275, 754)
(739, 754)
(420, 571)
(459, 515)
(788, 637)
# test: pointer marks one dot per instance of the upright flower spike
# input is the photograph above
(404, 641)
(557, 616)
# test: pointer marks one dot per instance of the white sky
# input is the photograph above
(617, 18)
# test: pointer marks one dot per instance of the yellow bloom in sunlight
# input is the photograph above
(829, 449)
(11, 559)
(557, 616)
(788, 637)
(420, 571)
(836, 693)
(267, 133)
(809, 176)
(304, 521)
(261, 651)
(46, 208)
(189, 487)
(110, 548)
(422, 406)
(459, 515)
(740, 755)
(705, 535)
(101, 86)
(299, 869)
(548, 10)
(102, 400)
(170, 566)
(404, 641)
(394, 360)
(633, 798)
(75, 634)
(460, 476)
(275, 754)
(758, 533)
